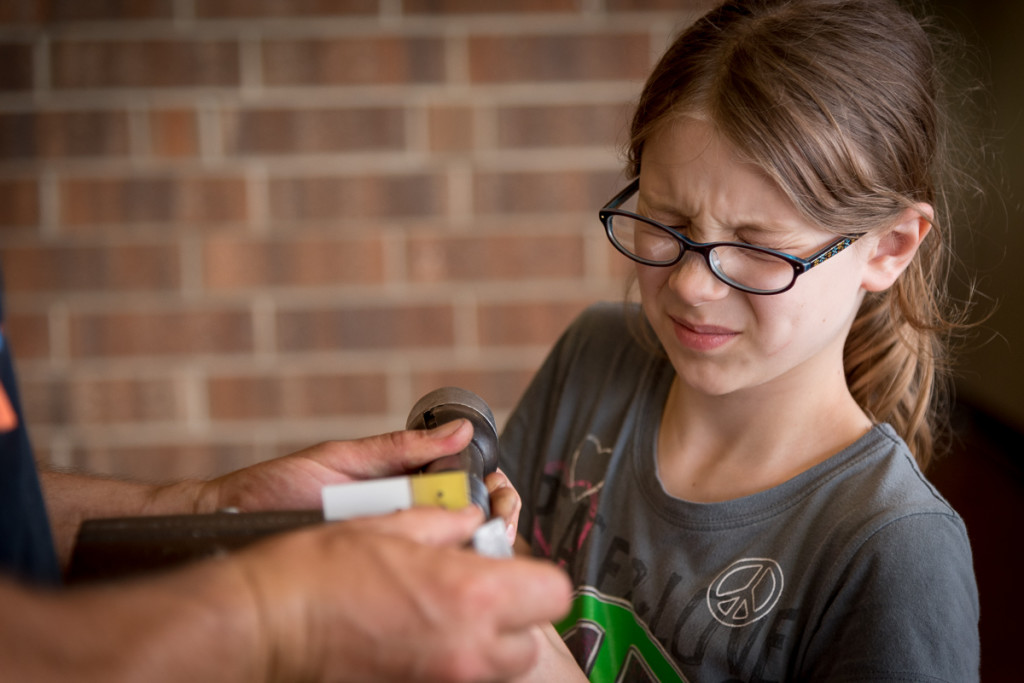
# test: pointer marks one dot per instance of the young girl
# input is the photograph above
(745, 501)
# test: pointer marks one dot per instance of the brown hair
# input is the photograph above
(837, 101)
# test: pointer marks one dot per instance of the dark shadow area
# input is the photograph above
(983, 478)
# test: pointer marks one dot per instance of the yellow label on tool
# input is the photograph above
(449, 490)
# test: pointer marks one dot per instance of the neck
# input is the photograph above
(714, 448)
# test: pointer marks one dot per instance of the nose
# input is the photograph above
(693, 281)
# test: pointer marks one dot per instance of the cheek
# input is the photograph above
(650, 279)
(778, 321)
(807, 318)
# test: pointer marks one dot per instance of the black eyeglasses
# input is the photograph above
(748, 268)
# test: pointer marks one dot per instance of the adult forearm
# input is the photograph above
(291, 482)
(197, 624)
(71, 498)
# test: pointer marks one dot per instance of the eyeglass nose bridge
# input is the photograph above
(704, 251)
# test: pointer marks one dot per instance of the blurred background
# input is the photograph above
(233, 228)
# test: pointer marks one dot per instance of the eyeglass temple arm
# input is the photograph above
(622, 196)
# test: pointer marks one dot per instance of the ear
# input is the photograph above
(895, 247)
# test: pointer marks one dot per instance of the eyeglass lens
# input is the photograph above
(736, 265)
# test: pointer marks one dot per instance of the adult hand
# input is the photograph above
(395, 598)
(294, 481)
(392, 598)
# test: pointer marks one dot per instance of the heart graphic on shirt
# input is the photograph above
(587, 468)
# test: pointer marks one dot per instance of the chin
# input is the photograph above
(706, 377)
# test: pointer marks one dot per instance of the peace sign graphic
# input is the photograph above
(745, 591)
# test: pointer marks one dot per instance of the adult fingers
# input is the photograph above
(525, 591)
(396, 452)
(428, 525)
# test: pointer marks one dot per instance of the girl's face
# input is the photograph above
(721, 340)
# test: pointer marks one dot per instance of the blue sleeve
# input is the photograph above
(26, 544)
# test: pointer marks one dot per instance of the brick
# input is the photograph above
(494, 257)
(43, 455)
(313, 131)
(364, 196)
(144, 64)
(174, 133)
(115, 401)
(619, 267)
(164, 198)
(51, 12)
(325, 232)
(401, 327)
(324, 395)
(597, 125)
(100, 401)
(239, 398)
(160, 334)
(354, 61)
(500, 389)
(16, 67)
(296, 396)
(521, 324)
(523, 192)
(450, 128)
(157, 462)
(20, 11)
(231, 263)
(433, 7)
(45, 401)
(257, 9)
(546, 58)
(82, 269)
(19, 202)
(52, 135)
(691, 6)
(28, 335)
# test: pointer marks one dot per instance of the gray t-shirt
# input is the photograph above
(855, 570)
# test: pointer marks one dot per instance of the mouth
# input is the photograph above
(702, 337)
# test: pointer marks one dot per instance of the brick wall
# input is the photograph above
(230, 228)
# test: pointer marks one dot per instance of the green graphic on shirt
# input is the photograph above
(612, 644)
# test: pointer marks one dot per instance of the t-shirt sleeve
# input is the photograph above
(906, 608)
(556, 400)
(521, 445)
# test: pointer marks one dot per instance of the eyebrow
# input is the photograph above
(742, 227)
(760, 229)
(749, 226)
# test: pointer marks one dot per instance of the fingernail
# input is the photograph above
(446, 429)
(510, 534)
